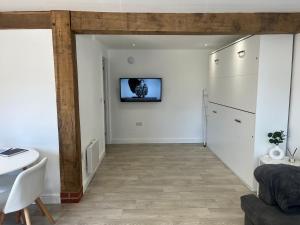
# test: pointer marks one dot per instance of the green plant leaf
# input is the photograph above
(277, 134)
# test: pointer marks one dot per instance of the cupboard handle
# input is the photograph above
(238, 121)
(241, 53)
(214, 111)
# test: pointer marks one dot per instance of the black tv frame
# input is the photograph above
(139, 100)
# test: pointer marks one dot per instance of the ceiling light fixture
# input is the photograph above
(205, 45)
(133, 44)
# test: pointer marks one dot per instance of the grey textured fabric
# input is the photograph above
(259, 213)
(248, 221)
(279, 185)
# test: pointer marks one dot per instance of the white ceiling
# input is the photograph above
(165, 41)
(154, 5)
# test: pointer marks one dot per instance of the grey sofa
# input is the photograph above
(259, 213)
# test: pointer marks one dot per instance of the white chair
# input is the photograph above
(26, 189)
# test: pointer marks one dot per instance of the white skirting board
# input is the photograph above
(51, 199)
(156, 140)
(89, 179)
(55, 198)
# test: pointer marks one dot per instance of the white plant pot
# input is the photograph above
(276, 153)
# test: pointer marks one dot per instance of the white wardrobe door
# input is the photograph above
(231, 138)
(235, 85)
(245, 56)
(213, 124)
(241, 129)
(234, 91)
(215, 64)
(226, 59)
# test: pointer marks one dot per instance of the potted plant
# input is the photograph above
(276, 138)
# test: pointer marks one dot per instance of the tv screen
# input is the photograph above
(140, 89)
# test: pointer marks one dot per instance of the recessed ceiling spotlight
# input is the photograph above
(205, 45)
(133, 44)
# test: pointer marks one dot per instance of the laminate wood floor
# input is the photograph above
(161, 184)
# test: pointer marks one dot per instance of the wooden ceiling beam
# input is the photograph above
(184, 23)
(25, 20)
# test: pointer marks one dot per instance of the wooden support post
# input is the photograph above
(67, 107)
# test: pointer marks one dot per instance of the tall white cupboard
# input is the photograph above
(249, 91)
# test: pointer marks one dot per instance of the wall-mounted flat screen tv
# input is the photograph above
(140, 89)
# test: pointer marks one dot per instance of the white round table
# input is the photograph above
(17, 162)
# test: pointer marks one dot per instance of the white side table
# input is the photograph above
(266, 159)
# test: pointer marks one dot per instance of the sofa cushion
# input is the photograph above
(262, 214)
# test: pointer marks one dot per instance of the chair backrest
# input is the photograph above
(27, 187)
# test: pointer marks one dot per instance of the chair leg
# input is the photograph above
(40, 205)
(22, 217)
(2, 217)
(44, 210)
(19, 217)
(27, 216)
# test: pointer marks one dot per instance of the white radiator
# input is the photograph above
(92, 156)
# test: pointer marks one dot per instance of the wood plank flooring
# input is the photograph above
(157, 184)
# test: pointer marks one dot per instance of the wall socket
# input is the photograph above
(138, 124)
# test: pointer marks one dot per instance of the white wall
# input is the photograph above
(28, 115)
(177, 119)
(273, 88)
(90, 85)
(294, 122)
